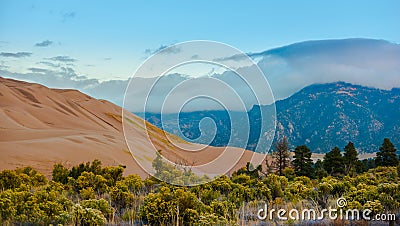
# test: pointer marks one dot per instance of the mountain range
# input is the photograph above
(321, 116)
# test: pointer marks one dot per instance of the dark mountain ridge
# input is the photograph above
(327, 115)
(321, 116)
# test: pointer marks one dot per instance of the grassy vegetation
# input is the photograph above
(91, 194)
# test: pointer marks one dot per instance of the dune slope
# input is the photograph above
(40, 127)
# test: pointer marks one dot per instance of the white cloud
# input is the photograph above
(366, 62)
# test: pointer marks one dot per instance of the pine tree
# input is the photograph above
(386, 156)
(281, 155)
(350, 158)
(302, 162)
(368, 164)
(320, 172)
(333, 162)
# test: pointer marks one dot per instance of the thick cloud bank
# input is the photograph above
(374, 63)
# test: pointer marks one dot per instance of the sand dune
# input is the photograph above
(41, 126)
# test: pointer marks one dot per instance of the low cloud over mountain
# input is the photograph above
(367, 62)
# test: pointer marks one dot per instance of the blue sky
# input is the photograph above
(96, 46)
(109, 39)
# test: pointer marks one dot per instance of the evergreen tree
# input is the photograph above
(333, 162)
(350, 158)
(281, 155)
(386, 156)
(320, 172)
(368, 164)
(360, 167)
(302, 162)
